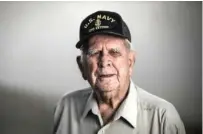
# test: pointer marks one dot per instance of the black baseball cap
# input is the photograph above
(103, 22)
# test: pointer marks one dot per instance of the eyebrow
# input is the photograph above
(91, 51)
(115, 49)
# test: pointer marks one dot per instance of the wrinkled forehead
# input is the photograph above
(107, 40)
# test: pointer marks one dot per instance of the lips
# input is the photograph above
(106, 75)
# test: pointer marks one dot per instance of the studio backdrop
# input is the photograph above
(38, 57)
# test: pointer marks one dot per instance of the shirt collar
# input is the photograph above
(127, 110)
(90, 105)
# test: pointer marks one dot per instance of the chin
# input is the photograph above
(107, 90)
(107, 87)
(107, 94)
(107, 84)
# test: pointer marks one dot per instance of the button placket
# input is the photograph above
(102, 130)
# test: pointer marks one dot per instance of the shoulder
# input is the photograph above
(78, 96)
(150, 101)
(70, 104)
(164, 110)
(74, 101)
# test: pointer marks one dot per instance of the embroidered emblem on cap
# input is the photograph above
(97, 23)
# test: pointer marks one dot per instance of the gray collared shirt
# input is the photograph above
(140, 113)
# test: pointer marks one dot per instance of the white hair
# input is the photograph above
(128, 44)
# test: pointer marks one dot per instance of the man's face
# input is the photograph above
(108, 65)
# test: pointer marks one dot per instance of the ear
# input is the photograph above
(80, 66)
(132, 58)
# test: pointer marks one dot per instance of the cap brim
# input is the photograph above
(80, 43)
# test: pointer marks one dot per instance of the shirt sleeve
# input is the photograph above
(172, 123)
(57, 115)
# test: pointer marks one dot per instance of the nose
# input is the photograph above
(104, 60)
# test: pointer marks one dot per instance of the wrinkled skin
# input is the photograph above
(108, 66)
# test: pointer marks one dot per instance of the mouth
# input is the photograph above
(106, 76)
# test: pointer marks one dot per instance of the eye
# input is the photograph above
(115, 52)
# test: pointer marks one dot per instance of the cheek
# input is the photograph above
(122, 68)
(91, 69)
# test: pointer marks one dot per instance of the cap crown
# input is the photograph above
(103, 22)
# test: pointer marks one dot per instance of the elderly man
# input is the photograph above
(113, 104)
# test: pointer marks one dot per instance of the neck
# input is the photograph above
(108, 106)
(111, 101)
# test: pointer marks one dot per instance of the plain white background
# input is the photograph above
(38, 57)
